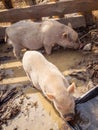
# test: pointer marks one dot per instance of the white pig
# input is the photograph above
(47, 78)
(34, 36)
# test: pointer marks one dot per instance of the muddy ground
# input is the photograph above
(24, 108)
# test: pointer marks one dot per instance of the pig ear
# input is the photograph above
(50, 96)
(64, 35)
(71, 88)
(70, 25)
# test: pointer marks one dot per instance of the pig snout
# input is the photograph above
(67, 43)
(76, 46)
(73, 45)
(79, 44)
(69, 116)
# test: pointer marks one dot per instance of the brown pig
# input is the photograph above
(35, 35)
(47, 78)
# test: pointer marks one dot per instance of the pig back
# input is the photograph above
(36, 64)
(25, 33)
(52, 31)
(35, 61)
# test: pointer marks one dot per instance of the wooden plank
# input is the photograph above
(38, 11)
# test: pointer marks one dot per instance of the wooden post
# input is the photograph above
(7, 3)
(2, 33)
(88, 18)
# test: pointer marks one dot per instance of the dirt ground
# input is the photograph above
(24, 108)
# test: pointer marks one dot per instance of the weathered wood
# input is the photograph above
(30, 2)
(2, 33)
(76, 21)
(38, 11)
(88, 17)
(7, 3)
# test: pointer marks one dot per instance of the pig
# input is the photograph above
(35, 35)
(48, 79)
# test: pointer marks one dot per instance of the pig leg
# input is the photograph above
(16, 51)
(34, 85)
(48, 49)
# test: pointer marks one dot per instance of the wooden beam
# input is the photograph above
(38, 11)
